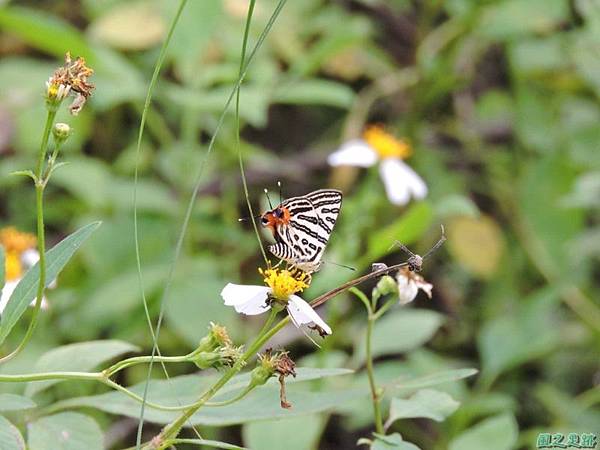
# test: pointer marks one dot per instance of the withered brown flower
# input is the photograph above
(72, 77)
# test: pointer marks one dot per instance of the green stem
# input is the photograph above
(120, 365)
(371, 318)
(41, 236)
(172, 430)
(381, 311)
(43, 376)
(371, 374)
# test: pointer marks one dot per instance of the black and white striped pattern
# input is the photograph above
(302, 241)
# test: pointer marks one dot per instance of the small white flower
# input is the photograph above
(409, 284)
(400, 181)
(281, 286)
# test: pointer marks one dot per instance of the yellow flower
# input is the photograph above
(15, 243)
(281, 286)
(20, 256)
(377, 146)
(386, 145)
(284, 283)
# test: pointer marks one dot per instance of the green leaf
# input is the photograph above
(315, 92)
(10, 436)
(407, 229)
(100, 309)
(65, 431)
(79, 357)
(513, 339)
(427, 403)
(433, 379)
(391, 442)
(497, 433)
(195, 293)
(513, 18)
(399, 331)
(13, 402)
(56, 259)
(270, 434)
(44, 32)
(210, 443)
(551, 225)
(261, 404)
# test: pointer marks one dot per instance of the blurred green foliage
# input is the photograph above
(500, 102)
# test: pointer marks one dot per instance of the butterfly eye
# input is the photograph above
(264, 220)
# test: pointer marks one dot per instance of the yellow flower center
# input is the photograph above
(14, 243)
(386, 145)
(284, 283)
(52, 91)
(13, 269)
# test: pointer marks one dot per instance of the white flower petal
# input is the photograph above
(393, 175)
(414, 182)
(7, 291)
(246, 299)
(355, 152)
(425, 287)
(303, 314)
(30, 257)
(407, 289)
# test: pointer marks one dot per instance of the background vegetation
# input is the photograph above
(499, 100)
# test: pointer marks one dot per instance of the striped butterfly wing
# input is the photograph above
(303, 240)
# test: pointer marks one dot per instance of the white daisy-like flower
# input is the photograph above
(281, 286)
(20, 256)
(400, 181)
(409, 283)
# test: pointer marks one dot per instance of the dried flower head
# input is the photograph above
(72, 77)
(271, 364)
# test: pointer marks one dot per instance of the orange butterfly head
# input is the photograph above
(276, 217)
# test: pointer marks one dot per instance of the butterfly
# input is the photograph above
(301, 227)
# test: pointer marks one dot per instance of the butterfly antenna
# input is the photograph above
(268, 198)
(438, 244)
(280, 195)
(244, 219)
(341, 265)
(403, 247)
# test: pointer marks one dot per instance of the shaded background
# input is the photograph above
(499, 100)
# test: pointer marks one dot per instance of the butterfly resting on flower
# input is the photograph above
(301, 227)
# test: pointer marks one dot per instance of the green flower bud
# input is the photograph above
(225, 356)
(260, 375)
(61, 133)
(386, 285)
(206, 360)
(217, 337)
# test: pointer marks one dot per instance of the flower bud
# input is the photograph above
(260, 375)
(206, 360)
(386, 285)
(61, 132)
(217, 337)
(225, 356)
